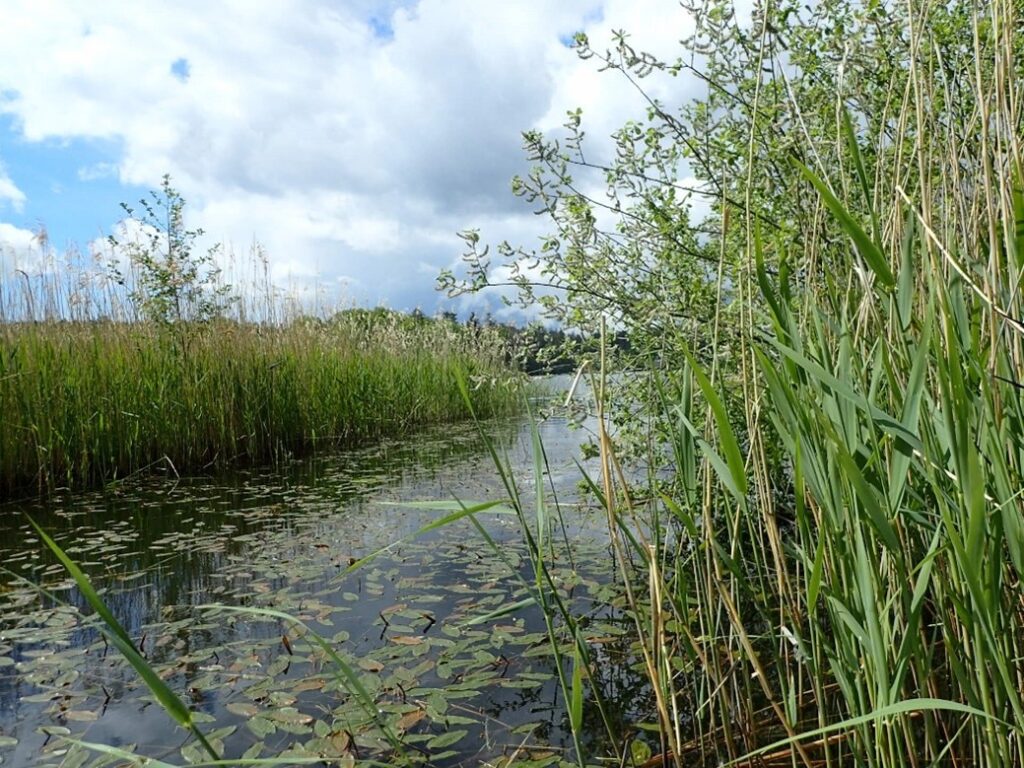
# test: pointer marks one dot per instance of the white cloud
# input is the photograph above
(345, 153)
(97, 171)
(18, 245)
(9, 192)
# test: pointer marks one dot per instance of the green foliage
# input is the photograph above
(119, 638)
(90, 402)
(168, 281)
(835, 372)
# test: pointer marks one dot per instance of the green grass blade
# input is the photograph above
(869, 251)
(498, 613)
(733, 470)
(905, 289)
(854, 146)
(576, 694)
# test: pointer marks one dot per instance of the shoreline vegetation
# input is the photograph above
(89, 403)
(829, 570)
(151, 362)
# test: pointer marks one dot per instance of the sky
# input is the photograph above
(352, 139)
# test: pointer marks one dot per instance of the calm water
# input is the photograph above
(458, 691)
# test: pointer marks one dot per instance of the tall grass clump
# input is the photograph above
(846, 588)
(88, 399)
(833, 574)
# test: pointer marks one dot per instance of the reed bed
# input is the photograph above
(834, 578)
(90, 401)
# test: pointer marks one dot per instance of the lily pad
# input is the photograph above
(447, 739)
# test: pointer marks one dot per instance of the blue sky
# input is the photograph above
(352, 139)
(71, 186)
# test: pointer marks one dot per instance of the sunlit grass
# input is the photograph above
(89, 402)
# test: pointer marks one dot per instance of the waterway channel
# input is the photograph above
(456, 687)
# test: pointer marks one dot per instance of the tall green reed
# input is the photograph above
(844, 582)
(91, 400)
(833, 577)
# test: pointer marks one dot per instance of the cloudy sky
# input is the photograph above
(351, 138)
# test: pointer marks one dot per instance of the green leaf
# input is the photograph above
(447, 739)
(1018, 218)
(497, 613)
(880, 417)
(133, 760)
(905, 290)
(869, 251)
(899, 466)
(868, 499)
(734, 473)
(854, 147)
(576, 694)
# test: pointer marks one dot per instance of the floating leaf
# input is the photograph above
(407, 640)
(407, 721)
(81, 716)
(260, 726)
(242, 709)
(311, 684)
(446, 739)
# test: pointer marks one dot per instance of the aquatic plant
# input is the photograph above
(831, 575)
(90, 400)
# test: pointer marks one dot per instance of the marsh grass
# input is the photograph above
(88, 400)
(833, 578)
(839, 579)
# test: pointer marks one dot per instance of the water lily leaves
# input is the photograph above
(281, 699)
(242, 709)
(262, 727)
(426, 675)
(254, 751)
(370, 665)
(516, 683)
(279, 665)
(289, 716)
(407, 640)
(53, 730)
(447, 739)
(81, 716)
(340, 741)
(309, 684)
(436, 704)
(408, 720)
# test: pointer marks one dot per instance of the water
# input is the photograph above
(457, 692)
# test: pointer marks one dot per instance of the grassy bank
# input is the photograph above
(84, 403)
